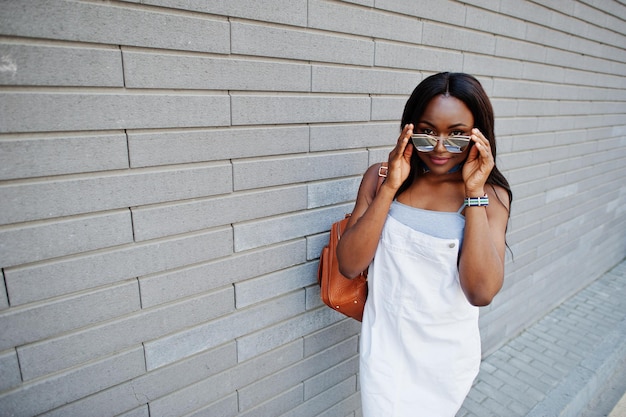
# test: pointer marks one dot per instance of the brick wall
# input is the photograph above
(170, 169)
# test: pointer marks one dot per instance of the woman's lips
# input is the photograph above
(439, 161)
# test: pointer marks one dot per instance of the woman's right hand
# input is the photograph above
(400, 159)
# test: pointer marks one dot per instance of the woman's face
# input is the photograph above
(444, 116)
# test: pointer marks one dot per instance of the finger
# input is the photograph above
(478, 137)
(403, 140)
(407, 131)
(481, 144)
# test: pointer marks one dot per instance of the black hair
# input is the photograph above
(467, 89)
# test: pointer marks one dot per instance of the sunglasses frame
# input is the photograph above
(434, 140)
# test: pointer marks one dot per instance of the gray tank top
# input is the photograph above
(441, 224)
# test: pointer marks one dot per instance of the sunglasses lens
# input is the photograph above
(424, 143)
(457, 144)
(427, 143)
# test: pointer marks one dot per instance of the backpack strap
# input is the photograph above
(383, 169)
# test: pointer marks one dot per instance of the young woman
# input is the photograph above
(433, 237)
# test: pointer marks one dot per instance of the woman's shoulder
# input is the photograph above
(373, 178)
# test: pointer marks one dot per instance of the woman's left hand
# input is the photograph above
(478, 165)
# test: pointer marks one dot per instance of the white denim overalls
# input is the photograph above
(420, 344)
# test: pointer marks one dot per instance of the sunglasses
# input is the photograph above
(427, 143)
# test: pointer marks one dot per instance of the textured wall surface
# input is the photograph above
(170, 169)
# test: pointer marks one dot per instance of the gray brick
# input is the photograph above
(416, 57)
(250, 39)
(218, 386)
(208, 73)
(314, 245)
(543, 72)
(168, 286)
(278, 405)
(312, 296)
(33, 322)
(67, 275)
(292, 12)
(37, 112)
(378, 155)
(368, 22)
(494, 407)
(287, 170)
(190, 341)
(265, 287)
(137, 412)
(226, 407)
(10, 376)
(549, 37)
(32, 64)
(195, 397)
(332, 376)
(181, 217)
(389, 108)
(40, 241)
(533, 381)
(473, 408)
(45, 394)
(351, 80)
(104, 23)
(349, 136)
(58, 353)
(287, 109)
(517, 49)
(444, 11)
(332, 192)
(344, 407)
(461, 38)
(521, 89)
(293, 375)
(279, 229)
(488, 22)
(76, 195)
(526, 10)
(329, 336)
(149, 386)
(269, 387)
(254, 344)
(517, 408)
(313, 407)
(493, 396)
(184, 146)
(498, 67)
(39, 155)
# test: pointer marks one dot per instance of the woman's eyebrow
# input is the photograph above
(452, 126)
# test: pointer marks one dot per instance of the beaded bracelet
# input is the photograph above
(477, 201)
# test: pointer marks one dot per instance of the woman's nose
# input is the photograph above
(439, 147)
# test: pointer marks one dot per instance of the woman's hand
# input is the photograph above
(359, 241)
(400, 159)
(478, 165)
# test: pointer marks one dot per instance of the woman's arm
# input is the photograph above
(358, 244)
(481, 263)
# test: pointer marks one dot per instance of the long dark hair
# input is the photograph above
(467, 89)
